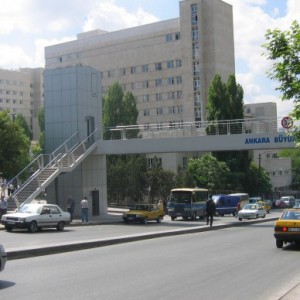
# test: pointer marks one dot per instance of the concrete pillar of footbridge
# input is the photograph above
(73, 103)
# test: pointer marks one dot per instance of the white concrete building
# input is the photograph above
(167, 65)
(279, 169)
(21, 92)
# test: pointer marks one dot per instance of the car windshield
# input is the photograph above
(140, 207)
(291, 215)
(250, 206)
(30, 209)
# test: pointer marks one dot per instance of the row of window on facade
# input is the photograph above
(279, 173)
(163, 125)
(161, 96)
(149, 83)
(11, 82)
(14, 101)
(170, 64)
(170, 37)
(9, 92)
(172, 110)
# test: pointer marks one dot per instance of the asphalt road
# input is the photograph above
(19, 241)
(228, 264)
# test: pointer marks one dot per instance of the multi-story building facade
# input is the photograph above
(278, 168)
(21, 92)
(168, 65)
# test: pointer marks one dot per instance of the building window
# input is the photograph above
(171, 80)
(172, 95)
(172, 110)
(158, 66)
(178, 63)
(133, 70)
(158, 97)
(146, 112)
(145, 98)
(60, 59)
(170, 64)
(145, 84)
(144, 68)
(159, 111)
(169, 37)
(132, 85)
(179, 94)
(123, 72)
(180, 109)
(158, 82)
(177, 36)
(178, 79)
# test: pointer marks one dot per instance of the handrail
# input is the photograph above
(214, 127)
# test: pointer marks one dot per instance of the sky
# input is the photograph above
(28, 26)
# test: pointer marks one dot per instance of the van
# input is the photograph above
(289, 201)
(226, 204)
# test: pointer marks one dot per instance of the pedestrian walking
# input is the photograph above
(210, 211)
(84, 210)
(71, 206)
(3, 205)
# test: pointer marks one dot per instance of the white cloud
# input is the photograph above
(13, 57)
(107, 16)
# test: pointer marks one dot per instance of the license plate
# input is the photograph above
(294, 229)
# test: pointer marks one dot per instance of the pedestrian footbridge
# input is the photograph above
(231, 135)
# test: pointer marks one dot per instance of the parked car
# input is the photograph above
(287, 228)
(142, 213)
(267, 206)
(280, 203)
(289, 201)
(297, 203)
(3, 257)
(251, 211)
(35, 216)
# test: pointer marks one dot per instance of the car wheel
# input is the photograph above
(159, 219)
(33, 227)
(240, 219)
(173, 218)
(145, 221)
(8, 228)
(60, 226)
(279, 243)
(263, 216)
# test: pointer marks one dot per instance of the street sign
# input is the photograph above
(287, 122)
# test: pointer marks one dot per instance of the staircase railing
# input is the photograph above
(34, 178)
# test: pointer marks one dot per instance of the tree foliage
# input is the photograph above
(208, 172)
(283, 48)
(14, 146)
(225, 102)
(20, 119)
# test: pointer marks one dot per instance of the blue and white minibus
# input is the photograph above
(187, 203)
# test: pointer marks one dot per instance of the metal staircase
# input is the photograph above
(33, 179)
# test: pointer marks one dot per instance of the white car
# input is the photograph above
(34, 216)
(251, 211)
(3, 257)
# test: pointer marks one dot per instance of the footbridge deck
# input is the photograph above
(249, 134)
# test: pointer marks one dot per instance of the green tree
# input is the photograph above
(159, 181)
(258, 181)
(283, 48)
(208, 172)
(20, 119)
(40, 146)
(294, 154)
(14, 146)
(225, 102)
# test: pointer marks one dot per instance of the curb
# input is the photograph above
(55, 249)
